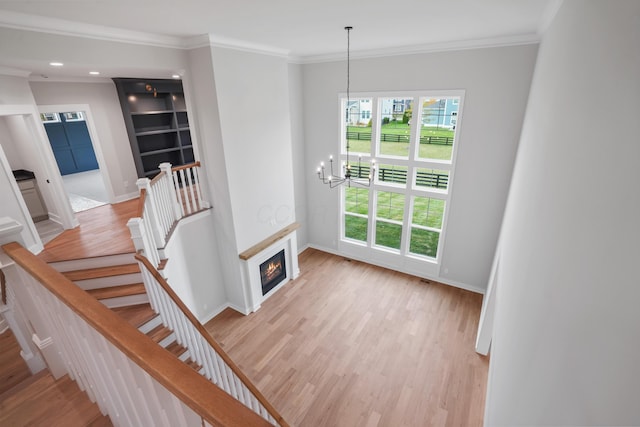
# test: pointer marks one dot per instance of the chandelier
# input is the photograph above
(349, 173)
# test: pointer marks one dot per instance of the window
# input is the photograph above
(50, 117)
(75, 116)
(412, 136)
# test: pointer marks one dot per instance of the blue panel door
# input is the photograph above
(71, 146)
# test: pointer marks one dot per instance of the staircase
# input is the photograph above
(115, 280)
(41, 400)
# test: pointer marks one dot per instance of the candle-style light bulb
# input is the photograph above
(322, 164)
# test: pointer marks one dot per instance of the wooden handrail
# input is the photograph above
(203, 397)
(141, 200)
(190, 165)
(156, 178)
(212, 342)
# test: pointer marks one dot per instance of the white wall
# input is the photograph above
(13, 206)
(14, 90)
(10, 150)
(193, 267)
(253, 101)
(496, 81)
(201, 96)
(27, 138)
(102, 98)
(300, 173)
(566, 340)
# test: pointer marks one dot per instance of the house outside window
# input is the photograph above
(402, 216)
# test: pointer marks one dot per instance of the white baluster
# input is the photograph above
(196, 180)
(150, 214)
(184, 190)
(193, 196)
(172, 189)
(176, 184)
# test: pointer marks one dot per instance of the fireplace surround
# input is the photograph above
(274, 259)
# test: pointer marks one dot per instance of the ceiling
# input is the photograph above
(302, 29)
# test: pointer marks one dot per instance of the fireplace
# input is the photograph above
(273, 271)
(267, 266)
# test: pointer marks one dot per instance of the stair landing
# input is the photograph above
(102, 231)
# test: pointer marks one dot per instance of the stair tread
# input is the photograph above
(177, 350)
(159, 333)
(137, 315)
(94, 273)
(18, 388)
(193, 364)
(117, 291)
(50, 402)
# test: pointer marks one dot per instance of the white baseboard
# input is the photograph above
(4, 326)
(442, 280)
(56, 218)
(125, 197)
(214, 313)
(304, 248)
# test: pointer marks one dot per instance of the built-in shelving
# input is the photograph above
(155, 114)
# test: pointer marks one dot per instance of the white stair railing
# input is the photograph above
(171, 195)
(131, 379)
(216, 364)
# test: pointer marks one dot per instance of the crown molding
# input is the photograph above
(22, 21)
(212, 40)
(68, 79)
(517, 40)
(549, 15)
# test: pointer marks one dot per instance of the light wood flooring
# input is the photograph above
(102, 231)
(39, 400)
(13, 368)
(350, 344)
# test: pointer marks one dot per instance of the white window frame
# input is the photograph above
(50, 117)
(73, 116)
(400, 259)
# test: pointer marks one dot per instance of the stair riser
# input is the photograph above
(103, 282)
(125, 301)
(168, 340)
(156, 321)
(84, 263)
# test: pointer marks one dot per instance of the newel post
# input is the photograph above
(142, 241)
(166, 170)
(13, 313)
(150, 214)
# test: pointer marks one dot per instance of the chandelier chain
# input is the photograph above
(347, 177)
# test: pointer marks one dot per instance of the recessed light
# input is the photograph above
(56, 64)
(94, 73)
(176, 76)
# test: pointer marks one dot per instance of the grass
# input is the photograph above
(426, 151)
(427, 212)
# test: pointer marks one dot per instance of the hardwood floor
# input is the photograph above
(350, 344)
(39, 400)
(102, 231)
(13, 368)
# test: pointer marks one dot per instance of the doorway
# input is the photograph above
(75, 157)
